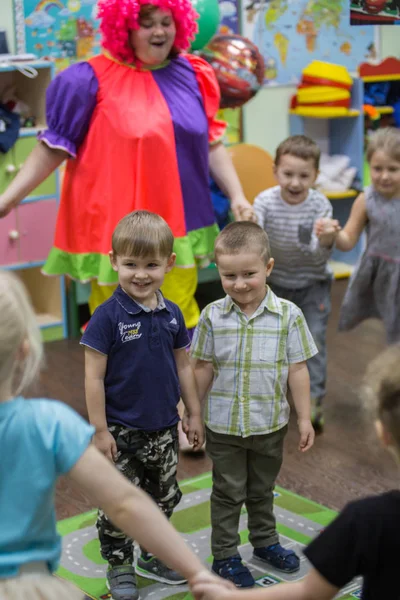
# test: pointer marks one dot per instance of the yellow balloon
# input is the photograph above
(74, 5)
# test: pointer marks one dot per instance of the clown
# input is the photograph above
(139, 129)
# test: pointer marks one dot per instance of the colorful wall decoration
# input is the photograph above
(65, 31)
(290, 34)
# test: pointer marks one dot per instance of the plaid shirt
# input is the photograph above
(251, 358)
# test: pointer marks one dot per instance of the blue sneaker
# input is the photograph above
(278, 557)
(234, 570)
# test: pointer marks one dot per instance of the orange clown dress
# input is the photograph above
(138, 139)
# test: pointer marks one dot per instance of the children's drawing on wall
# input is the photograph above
(229, 17)
(374, 12)
(292, 34)
(65, 31)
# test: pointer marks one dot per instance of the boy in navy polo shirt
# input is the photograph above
(136, 370)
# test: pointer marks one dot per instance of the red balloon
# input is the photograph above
(238, 66)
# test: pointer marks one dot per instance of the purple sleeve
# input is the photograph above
(70, 102)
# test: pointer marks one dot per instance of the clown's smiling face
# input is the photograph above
(154, 39)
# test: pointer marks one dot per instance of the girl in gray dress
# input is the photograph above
(374, 289)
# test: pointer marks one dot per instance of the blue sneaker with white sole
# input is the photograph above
(234, 570)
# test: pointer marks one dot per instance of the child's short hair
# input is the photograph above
(386, 139)
(18, 324)
(382, 386)
(243, 236)
(300, 146)
(142, 233)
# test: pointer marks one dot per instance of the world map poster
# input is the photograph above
(292, 33)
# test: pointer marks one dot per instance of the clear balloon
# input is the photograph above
(239, 68)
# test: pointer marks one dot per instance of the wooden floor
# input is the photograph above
(346, 461)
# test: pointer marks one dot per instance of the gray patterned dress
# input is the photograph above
(374, 288)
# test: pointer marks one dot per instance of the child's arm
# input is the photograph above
(95, 370)
(350, 234)
(134, 512)
(194, 427)
(204, 374)
(312, 587)
(321, 245)
(299, 384)
(348, 237)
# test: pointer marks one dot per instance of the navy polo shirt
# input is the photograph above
(141, 382)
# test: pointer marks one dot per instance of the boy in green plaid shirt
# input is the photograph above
(247, 348)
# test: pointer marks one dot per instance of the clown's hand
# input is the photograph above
(242, 209)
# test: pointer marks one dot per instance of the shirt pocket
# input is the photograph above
(271, 350)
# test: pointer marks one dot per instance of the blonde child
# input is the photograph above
(288, 213)
(41, 440)
(247, 348)
(364, 538)
(136, 369)
(374, 289)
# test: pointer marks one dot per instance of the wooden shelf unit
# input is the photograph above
(27, 233)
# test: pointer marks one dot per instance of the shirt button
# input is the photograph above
(248, 349)
(246, 374)
(242, 399)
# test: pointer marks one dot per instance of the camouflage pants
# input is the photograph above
(149, 460)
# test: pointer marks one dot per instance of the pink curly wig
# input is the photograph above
(118, 17)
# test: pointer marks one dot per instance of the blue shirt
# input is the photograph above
(141, 382)
(39, 440)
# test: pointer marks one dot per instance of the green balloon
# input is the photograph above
(208, 22)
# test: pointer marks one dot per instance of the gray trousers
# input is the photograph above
(244, 472)
(315, 303)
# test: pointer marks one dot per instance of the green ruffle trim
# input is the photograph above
(195, 249)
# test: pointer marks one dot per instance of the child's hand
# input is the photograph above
(326, 231)
(307, 434)
(195, 432)
(206, 586)
(104, 441)
(185, 422)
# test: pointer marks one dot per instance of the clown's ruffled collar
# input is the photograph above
(137, 66)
